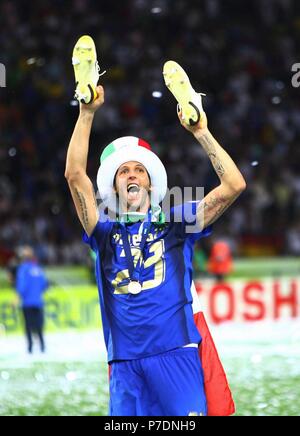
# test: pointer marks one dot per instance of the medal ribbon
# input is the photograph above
(134, 271)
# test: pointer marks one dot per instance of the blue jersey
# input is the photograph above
(160, 317)
(31, 283)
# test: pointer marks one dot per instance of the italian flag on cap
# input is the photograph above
(120, 143)
(126, 149)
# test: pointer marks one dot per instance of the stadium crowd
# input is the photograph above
(241, 58)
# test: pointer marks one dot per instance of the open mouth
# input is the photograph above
(133, 192)
(133, 188)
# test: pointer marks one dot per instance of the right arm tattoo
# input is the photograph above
(209, 146)
(83, 208)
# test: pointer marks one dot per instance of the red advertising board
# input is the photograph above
(249, 301)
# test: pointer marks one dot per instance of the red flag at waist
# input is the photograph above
(218, 394)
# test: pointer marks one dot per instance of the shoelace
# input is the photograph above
(78, 95)
(98, 70)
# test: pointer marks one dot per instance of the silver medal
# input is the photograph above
(134, 287)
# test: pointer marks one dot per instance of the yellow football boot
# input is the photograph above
(86, 69)
(189, 101)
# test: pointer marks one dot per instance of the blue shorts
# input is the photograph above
(167, 384)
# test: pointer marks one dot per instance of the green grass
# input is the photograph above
(48, 390)
(262, 364)
(56, 389)
(260, 391)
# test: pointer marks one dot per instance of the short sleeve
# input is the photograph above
(97, 239)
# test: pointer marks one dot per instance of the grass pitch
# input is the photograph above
(261, 361)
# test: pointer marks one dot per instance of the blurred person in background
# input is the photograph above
(31, 283)
(220, 262)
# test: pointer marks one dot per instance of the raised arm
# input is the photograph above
(79, 183)
(232, 183)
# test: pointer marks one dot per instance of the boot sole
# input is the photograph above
(84, 59)
(178, 83)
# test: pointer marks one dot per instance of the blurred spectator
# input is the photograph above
(293, 239)
(220, 262)
(31, 283)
